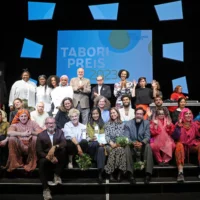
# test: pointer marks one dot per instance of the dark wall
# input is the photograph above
(139, 14)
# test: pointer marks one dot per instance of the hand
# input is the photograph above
(153, 84)
(26, 133)
(137, 144)
(168, 122)
(95, 94)
(51, 152)
(101, 145)
(3, 143)
(94, 138)
(134, 83)
(180, 121)
(80, 152)
(149, 112)
(54, 160)
(80, 87)
(11, 108)
(155, 122)
(123, 83)
(113, 145)
(187, 97)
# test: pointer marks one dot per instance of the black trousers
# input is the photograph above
(47, 168)
(3, 152)
(72, 148)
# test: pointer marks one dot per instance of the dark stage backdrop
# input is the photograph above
(75, 15)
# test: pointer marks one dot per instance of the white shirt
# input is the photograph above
(99, 89)
(71, 131)
(39, 118)
(124, 117)
(23, 90)
(51, 137)
(59, 93)
(44, 96)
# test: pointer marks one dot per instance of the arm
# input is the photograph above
(92, 93)
(90, 132)
(127, 132)
(12, 132)
(154, 129)
(36, 129)
(108, 92)
(63, 142)
(87, 88)
(170, 128)
(57, 118)
(12, 94)
(117, 90)
(146, 133)
(74, 86)
(177, 132)
(39, 149)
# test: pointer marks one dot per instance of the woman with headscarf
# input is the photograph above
(162, 144)
(186, 135)
(22, 142)
(62, 91)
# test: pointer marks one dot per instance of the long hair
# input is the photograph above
(100, 121)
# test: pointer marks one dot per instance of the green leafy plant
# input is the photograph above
(84, 162)
(122, 141)
(139, 165)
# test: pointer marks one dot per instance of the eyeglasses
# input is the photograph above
(100, 80)
(50, 123)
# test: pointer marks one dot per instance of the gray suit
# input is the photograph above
(81, 97)
(140, 135)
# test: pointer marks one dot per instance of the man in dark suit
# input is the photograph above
(101, 89)
(138, 132)
(50, 148)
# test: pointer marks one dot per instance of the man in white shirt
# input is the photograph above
(39, 115)
(126, 113)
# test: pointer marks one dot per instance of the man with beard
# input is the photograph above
(50, 148)
(126, 113)
(138, 132)
(158, 104)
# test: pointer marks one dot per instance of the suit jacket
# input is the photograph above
(81, 96)
(143, 134)
(105, 91)
(43, 144)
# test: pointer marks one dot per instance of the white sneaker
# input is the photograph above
(70, 165)
(51, 183)
(47, 194)
(57, 179)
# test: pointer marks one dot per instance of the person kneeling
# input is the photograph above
(50, 148)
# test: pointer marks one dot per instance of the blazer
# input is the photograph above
(43, 144)
(81, 96)
(143, 135)
(105, 91)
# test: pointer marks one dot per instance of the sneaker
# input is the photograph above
(70, 165)
(51, 183)
(47, 194)
(57, 179)
(180, 177)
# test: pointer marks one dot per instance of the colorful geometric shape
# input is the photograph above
(169, 11)
(40, 10)
(181, 81)
(104, 11)
(31, 49)
(173, 51)
(33, 80)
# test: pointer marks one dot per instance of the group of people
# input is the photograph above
(50, 124)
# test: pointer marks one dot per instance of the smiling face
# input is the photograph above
(23, 118)
(95, 115)
(25, 76)
(188, 116)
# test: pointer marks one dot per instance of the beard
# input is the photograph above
(138, 120)
(51, 130)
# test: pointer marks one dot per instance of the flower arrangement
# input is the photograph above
(139, 165)
(84, 162)
(122, 141)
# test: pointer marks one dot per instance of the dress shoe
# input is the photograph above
(119, 177)
(111, 177)
(147, 179)
(132, 179)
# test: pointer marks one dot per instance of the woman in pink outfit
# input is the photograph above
(161, 142)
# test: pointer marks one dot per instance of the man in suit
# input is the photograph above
(138, 132)
(82, 88)
(101, 89)
(50, 148)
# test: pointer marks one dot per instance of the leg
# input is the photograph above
(45, 171)
(167, 158)
(84, 115)
(84, 145)
(60, 155)
(32, 157)
(71, 150)
(148, 158)
(92, 149)
(156, 153)
(3, 152)
(15, 154)
(180, 156)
